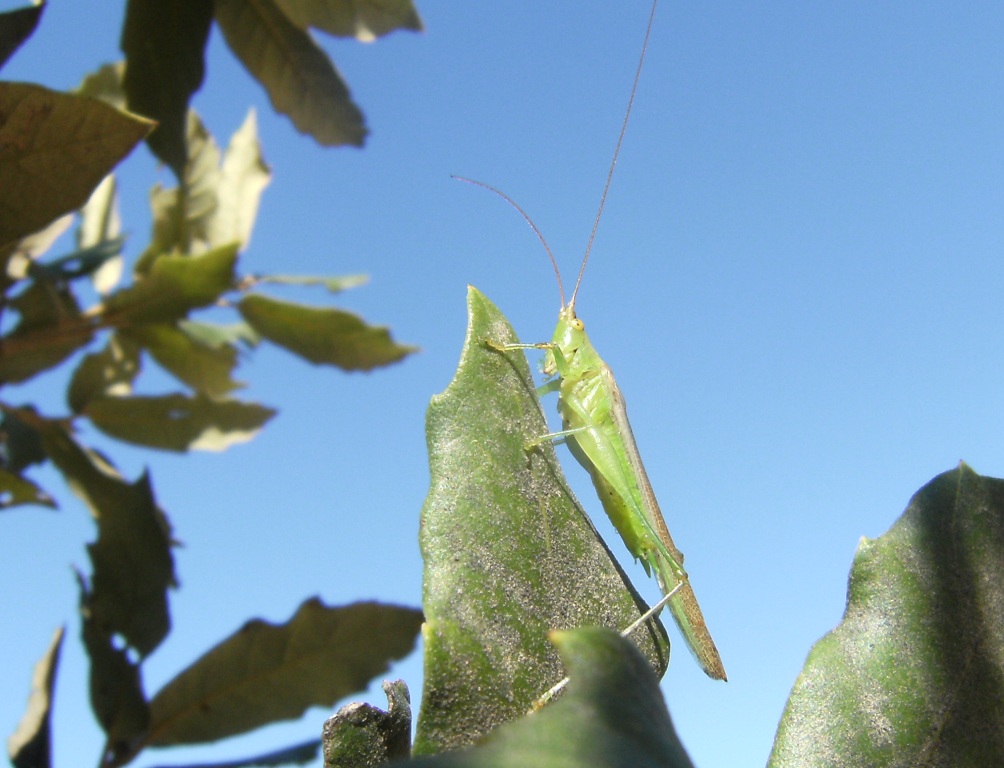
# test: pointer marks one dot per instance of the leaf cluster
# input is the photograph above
(57, 153)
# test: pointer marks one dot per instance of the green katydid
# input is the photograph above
(597, 431)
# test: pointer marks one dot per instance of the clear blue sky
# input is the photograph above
(798, 282)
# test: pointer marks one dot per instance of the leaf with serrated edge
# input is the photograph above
(365, 20)
(612, 716)
(300, 79)
(244, 176)
(509, 553)
(177, 422)
(174, 286)
(16, 490)
(101, 374)
(265, 672)
(205, 368)
(913, 674)
(43, 133)
(322, 335)
(133, 565)
(30, 746)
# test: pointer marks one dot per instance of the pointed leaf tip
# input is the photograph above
(509, 554)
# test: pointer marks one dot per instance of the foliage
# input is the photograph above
(911, 676)
(57, 151)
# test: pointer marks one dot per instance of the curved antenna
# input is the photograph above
(528, 220)
(617, 151)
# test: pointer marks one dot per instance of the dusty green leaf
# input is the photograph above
(266, 672)
(30, 746)
(205, 368)
(300, 79)
(16, 490)
(333, 284)
(17, 26)
(322, 335)
(177, 422)
(365, 20)
(50, 329)
(133, 566)
(612, 716)
(243, 178)
(174, 286)
(164, 42)
(360, 735)
(914, 674)
(116, 686)
(42, 133)
(509, 554)
(107, 373)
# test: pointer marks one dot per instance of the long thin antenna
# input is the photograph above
(528, 220)
(617, 151)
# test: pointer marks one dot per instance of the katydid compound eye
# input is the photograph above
(578, 325)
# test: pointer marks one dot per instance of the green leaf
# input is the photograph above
(360, 735)
(365, 20)
(30, 746)
(509, 554)
(133, 566)
(164, 42)
(100, 222)
(17, 26)
(21, 443)
(79, 263)
(174, 286)
(42, 133)
(243, 178)
(204, 368)
(116, 686)
(298, 754)
(321, 335)
(16, 258)
(177, 422)
(300, 80)
(913, 674)
(105, 83)
(16, 490)
(182, 215)
(107, 373)
(216, 335)
(333, 284)
(51, 329)
(612, 716)
(266, 672)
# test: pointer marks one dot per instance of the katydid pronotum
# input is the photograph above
(596, 429)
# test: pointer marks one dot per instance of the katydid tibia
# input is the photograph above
(596, 429)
